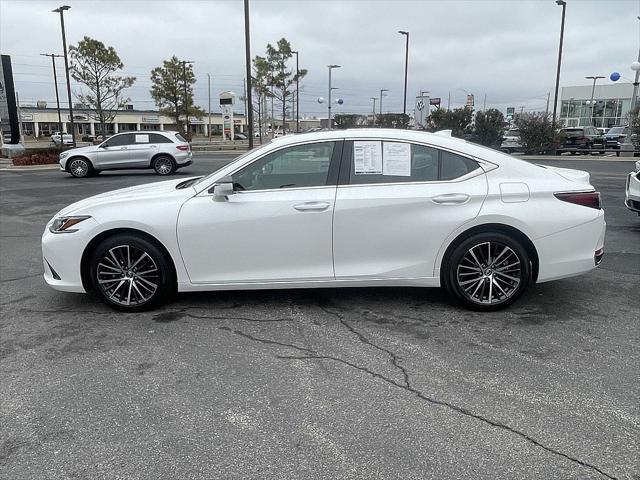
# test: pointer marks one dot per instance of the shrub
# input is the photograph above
(489, 127)
(38, 156)
(537, 134)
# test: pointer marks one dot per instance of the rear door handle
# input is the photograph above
(451, 199)
(311, 206)
(123, 148)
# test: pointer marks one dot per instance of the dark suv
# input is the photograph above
(581, 138)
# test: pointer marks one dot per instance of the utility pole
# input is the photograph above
(374, 109)
(563, 4)
(209, 111)
(297, 91)
(186, 103)
(484, 104)
(546, 111)
(449, 101)
(406, 68)
(331, 67)
(593, 91)
(382, 90)
(61, 10)
(247, 61)
(55, 82)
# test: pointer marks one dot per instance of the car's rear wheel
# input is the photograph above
(130, 273)
(487, 271)
(164, 165)
(80, 167)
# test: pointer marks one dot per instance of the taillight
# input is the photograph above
(586, 199)
(182, 147)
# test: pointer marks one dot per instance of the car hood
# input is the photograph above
(139, 192)
(87, 149)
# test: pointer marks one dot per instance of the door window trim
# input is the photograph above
(344, 179)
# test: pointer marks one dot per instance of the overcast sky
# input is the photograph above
(504, 49)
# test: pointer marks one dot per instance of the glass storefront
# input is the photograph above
(603, 113)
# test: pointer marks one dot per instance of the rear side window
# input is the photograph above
(400, 162)
(181, 138)
(157, 138)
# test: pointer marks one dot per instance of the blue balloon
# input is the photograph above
(339, 101)
(615, 76)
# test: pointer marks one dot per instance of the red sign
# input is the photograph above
(434, 101)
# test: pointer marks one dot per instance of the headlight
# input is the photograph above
(638, 166)
(64, 155)
(64, 224)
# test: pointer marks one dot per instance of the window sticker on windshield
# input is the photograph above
(142, 138)
(367, 158)
(396, 159)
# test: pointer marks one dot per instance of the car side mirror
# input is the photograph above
(222, 189)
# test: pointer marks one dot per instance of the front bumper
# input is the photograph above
(62, 255)
(632, 193)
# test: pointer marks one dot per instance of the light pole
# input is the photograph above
(247, 61)
(331, 67)
(382, 90)
(374, 109)
(593, 90)
(55, 82)
(406, 68)
(61, 10)
(297, 90)
(563, 4)
(209, 111)
(186, 103)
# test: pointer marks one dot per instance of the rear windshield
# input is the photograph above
(180, 137)
(573, 132)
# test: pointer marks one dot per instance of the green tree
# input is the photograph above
(343, 121)
(536, 133)
(168, 90)
(392, 120)
(458, 120)
(93, 65)
(281, 78)
(261, 86)
(489, 127)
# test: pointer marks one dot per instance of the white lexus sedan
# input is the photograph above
(336, 208)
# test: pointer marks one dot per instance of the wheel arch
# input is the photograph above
(84, 157)
(494, 228)
(86, 254)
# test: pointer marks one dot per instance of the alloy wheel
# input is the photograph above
(489, 273)
(164, 166)
(128, 275)
(79, 168)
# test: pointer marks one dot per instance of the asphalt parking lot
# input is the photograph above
(351, 383)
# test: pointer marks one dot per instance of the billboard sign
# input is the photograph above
(435, 101)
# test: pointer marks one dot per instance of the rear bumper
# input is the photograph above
(571, 252)
(184, 159)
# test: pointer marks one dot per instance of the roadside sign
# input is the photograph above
(435, 101)
(470, 100)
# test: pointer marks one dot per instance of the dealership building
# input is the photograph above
(610, 107)
(42, 121)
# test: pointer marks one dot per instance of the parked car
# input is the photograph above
(164, 151)
(602, 130)
(616, 136)
(511, 141)
(632, 193)
(240, 136)
(65, 138)
(360, 207)
(581, 139)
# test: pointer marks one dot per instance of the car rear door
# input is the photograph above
(276, 227)
(142, 149)
(396, 203)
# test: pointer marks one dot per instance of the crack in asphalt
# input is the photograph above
(246, 319)
(366, 341)
(5, 280)
(267, 341)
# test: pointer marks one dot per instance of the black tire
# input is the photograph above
(459, 269)
(79, 167)
(164, 165)
(137, 282)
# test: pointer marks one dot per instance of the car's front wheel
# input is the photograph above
(487, 271)
(80, 167)
(164, 165)
(130, 273)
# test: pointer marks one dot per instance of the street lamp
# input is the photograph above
(61, 10)
(382, 90)
(186, 102)
(374, 109)
(55, 82)
(563, 4)
(406, 67)
(297, 91)
(330, 67)
(247, 64)
(593, 89)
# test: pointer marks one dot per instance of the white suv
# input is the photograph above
(164, 151)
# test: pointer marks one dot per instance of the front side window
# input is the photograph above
(119, 140)
(298, 166)
(399, 162)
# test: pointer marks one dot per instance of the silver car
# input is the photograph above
(164, 151)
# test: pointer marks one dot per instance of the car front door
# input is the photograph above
(276, 227)
(114, 152)
(395, 206)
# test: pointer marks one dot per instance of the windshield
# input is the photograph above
(616, 130)
(244, 155)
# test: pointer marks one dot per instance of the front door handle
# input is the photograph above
(312, 206)
(123, 148)
(451, 199)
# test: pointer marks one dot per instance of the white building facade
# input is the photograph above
(38, 122)
(612, 102)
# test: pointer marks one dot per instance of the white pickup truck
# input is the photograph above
(65, 138)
